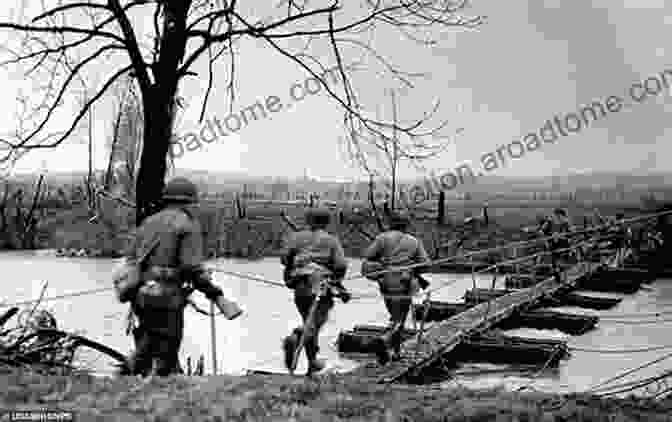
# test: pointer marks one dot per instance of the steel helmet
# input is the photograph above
(180, 190)
(318, 217)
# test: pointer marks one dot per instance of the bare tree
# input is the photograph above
(21, 230)
(125, 143)
(184, 31)
(379, 153)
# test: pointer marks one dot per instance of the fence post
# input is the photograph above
(441, 208)
(213, 333)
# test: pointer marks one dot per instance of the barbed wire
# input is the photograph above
(597, 388)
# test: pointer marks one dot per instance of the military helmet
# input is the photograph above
(180, 190)
(560, 212)
(399, 220)
(318, 217)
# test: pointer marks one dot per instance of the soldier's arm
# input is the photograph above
(339, 264)
(288, 251)
(191, 260)
(131, 251)
(421, 256)
(374, 251)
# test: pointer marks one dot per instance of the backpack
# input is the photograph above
(127, 276)
(164, 295)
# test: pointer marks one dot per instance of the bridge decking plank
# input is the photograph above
(443, 336)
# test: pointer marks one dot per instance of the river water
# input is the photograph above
(253, 341)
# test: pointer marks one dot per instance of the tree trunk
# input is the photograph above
(156, 141)
(374, 209)
(158, 102)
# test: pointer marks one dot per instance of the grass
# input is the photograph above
(284, 398)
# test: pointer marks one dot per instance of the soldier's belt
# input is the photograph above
(161, 273)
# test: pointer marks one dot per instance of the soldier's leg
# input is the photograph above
(140, 361)
(313, 335)
(303, 304)
(398, 306)
(290, 343)
(167, 355)
(401, 313)
(166, 344)
(390, 300)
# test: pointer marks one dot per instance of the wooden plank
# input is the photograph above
(444, 336)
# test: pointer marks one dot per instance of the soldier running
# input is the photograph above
(172, 270)
(311, 256)
(396, 248)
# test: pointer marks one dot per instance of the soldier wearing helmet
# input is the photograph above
(396, 248)
(310, 256)
(557, 227)
(172, 242)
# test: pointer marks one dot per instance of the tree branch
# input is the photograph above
(131, 43)
(81, 114)
(60, 30)
(67, 7)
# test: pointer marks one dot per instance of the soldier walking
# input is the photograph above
(311, 257)
(557, 226)
(172, 243)
(396, 248)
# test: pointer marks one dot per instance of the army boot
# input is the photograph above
(289, 345)
(314, 365)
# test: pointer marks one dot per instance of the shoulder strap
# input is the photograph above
(397, 244)
(178, 244)
(145, 255)
(156, 242)
(187, 213)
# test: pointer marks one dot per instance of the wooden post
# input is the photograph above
(213, 333)
(441, 217)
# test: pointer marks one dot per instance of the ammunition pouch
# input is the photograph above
(126, 279)
(306, 279)
(369, 268)
(162, 290)
(160, 295)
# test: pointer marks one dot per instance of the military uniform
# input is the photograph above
(310, 256)
(175, 264)
(394, 248)
(557, 225)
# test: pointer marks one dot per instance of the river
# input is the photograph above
(253, 341)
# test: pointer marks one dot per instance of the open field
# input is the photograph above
(283, 398)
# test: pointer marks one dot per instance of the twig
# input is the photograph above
(32, 311)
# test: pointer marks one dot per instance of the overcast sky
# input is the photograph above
(530, 61)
